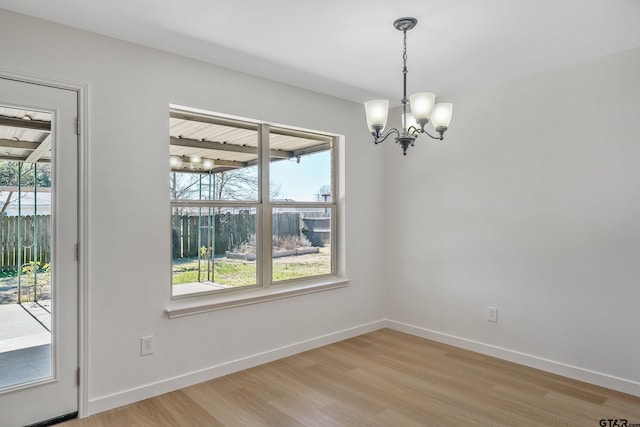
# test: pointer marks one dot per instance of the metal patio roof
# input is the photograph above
(25, 135)
(201, 143)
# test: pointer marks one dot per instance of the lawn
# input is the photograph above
(242, 273)
(226, 272)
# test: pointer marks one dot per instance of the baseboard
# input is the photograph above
(574, 372)
(115, 400)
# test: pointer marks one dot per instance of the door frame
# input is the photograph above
(82, 89)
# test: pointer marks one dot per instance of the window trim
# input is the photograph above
(204, 302)
(265, 288)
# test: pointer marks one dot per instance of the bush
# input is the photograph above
(246, 247)
(279, 243)
(290, 242)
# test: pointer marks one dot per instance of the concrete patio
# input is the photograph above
(25, 343)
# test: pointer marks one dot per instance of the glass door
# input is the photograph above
(38, 265)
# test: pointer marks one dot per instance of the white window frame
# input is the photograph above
(265, 289)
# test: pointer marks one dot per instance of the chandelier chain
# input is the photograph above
(404, 81)
(404, 53)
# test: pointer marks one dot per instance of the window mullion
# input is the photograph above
(335, 185)
(266, 224)
(334, 241)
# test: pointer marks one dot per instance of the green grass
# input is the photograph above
(242, 273)
(225, 273)
(296, 270)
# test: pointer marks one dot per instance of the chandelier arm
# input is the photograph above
(377, 139)
(440, 137)
(417, 131)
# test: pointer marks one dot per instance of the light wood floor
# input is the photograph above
(384, 378)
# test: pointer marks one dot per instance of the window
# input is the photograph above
(252, 204)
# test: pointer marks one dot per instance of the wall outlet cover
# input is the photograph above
(493, 314)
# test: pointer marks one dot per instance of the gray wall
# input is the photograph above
(131, 88)
(532, 205)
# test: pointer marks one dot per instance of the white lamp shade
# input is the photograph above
(411, 121)
(441, 114)
(377, 111)
(422, 104)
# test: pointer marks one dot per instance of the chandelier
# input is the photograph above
(423, 107)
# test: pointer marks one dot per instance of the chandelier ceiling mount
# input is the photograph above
(405, 24)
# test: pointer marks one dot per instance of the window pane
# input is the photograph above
(301, 242)
(213, 248)
(300, 169)
(212, 158)
(25, 265)
(215, 161)
(233, 184)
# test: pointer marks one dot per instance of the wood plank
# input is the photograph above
(43, 149)
(15, 122)
(222, 146)
(23, 145)
(384, 378)
(24, 189)
(217, 162)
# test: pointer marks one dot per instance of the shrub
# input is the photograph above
(246, 247)
(290, 242)
(279, 243)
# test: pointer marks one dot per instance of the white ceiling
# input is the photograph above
(349, 48)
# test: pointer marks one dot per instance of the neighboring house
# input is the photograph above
(27, 205)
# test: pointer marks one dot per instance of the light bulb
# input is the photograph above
(410, 121)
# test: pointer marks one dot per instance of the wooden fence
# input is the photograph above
(228, 231)
(317, 229)
(37, 250)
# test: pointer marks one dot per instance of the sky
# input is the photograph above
(302, 181)
(299, 182)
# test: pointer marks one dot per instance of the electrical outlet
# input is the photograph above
(493, 314)
(146, 345)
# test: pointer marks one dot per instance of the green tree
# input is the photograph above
(9, 174)
(30, 173)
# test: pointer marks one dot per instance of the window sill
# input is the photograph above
(203, 304)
